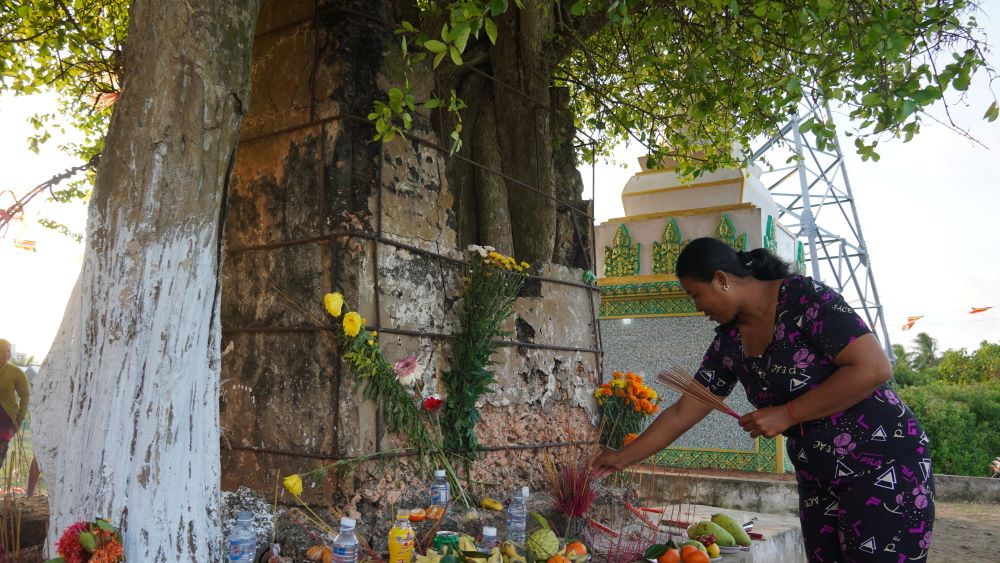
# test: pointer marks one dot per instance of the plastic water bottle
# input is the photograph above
(345, 545)
(242, 540)
(517, 516)
(440, 489)
(489, 539)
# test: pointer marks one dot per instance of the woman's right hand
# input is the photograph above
(607, 462)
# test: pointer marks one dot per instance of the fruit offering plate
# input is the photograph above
(719, 558)
(733, 549)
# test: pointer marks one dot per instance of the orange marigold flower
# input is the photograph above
(616, 375)
(629, 438)
(108, 550)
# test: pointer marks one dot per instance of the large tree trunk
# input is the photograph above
(126, 406)
(520, 134)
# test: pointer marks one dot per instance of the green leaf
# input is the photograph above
(456, 57)
(88, 541)
(654, 551)
(433, 103)
(871, 99)
(435, 46)
(491, 30)
(992, 112)
(498, 7)
(438, 58)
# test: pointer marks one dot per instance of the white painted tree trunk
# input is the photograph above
(125, 410)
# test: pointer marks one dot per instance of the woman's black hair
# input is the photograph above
(702, 257)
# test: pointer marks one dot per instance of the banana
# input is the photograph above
(510, 554)
(491, 504)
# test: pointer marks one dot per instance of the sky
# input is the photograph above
(929, 211)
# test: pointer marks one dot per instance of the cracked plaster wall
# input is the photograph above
(287, 403)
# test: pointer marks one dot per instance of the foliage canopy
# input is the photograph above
(686, 78)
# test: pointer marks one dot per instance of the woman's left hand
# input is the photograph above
(767, 422)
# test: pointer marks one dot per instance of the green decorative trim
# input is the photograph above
(770, 236)
(726, 232)
(651, 299)
(665, 253)
(764, 458)
(800, 259)
(655, 307)
(642, 289)
(621, 258)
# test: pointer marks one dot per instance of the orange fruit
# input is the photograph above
(669, 556)
(558, 558)
(696, 556)
(417, 515)
(686, 551)
(576, 548)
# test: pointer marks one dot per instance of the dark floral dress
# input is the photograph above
(865, 480)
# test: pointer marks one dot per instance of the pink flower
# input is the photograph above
(432, 403)
(406, 370)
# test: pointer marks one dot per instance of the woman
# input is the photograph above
(816, 374)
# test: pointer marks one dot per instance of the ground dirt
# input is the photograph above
(965, 532)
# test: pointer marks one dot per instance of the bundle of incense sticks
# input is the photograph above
(678, 379)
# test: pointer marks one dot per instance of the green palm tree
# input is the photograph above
(924, 354)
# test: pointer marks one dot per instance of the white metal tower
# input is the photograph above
(815, 200)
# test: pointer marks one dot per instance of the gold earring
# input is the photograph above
(725, 287)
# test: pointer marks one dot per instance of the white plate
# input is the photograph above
(734, 549)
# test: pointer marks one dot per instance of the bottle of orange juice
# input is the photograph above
(401, 538)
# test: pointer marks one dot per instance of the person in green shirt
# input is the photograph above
(12, 411)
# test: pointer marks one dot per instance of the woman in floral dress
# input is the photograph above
(816, 374)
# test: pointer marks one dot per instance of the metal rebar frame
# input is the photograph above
(378, 238)
(816, 203)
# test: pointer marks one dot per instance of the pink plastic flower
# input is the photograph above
(406, 370)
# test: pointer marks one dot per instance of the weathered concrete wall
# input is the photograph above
(307, 168)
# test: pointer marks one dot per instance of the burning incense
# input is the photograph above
(678, 379)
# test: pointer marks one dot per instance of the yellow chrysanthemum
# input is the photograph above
(333, 303)
(353, 323)
(293, 484)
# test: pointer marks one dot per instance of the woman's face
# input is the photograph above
(710, 298)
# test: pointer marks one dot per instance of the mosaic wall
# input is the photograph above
(645, 317)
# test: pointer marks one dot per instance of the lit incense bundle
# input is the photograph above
(678, 379)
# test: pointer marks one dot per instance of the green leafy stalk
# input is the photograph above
(491, 287)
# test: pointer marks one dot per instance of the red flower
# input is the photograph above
(432, 403)
(69, 546)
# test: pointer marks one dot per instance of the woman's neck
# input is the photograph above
(759, 303)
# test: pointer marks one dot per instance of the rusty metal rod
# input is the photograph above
(402, 332)
(371, 236)
(407, 452)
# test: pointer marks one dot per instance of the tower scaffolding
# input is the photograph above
(816, 203)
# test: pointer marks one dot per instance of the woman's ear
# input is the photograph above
(722, 279)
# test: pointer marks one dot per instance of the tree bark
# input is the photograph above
(126, 405)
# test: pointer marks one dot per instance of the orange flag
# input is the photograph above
(979, 310)
(910, 321)
(25, 244)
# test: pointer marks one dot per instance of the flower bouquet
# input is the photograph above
(94, 542)
(625, 403)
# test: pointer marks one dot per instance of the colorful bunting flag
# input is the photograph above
(28, 245)
(910, 321)
(979, 310)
